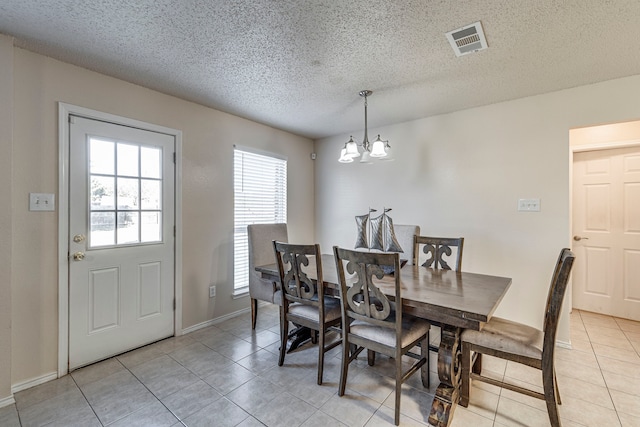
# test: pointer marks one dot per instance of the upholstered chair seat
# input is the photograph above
(412, 329)
(507, 336)
(331, 310)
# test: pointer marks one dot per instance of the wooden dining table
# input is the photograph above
(455, 300)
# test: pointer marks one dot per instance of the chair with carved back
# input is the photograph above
(304, 302)
(371, 320)
(521, 343)
(260, 238)
(404, 235)
(441, 253)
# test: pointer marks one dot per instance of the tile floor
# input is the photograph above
(225, 375)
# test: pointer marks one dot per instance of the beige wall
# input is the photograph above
(461, 174)
(6, 146)
(207, 186)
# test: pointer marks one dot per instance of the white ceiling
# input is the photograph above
(298, 65)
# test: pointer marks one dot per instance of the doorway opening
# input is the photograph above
(605, 219)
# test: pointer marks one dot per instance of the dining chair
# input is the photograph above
(371, 320)
(520, 343)
(260, 238)
(439, 252)
(404, 235)
(304, 302)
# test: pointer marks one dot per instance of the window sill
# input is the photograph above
(240, 293)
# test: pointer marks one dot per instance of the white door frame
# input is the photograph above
(582, 148)
(64, 111)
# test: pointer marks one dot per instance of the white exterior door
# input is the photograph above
(606, 229)
(121, 242)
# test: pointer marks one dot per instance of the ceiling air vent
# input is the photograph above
(467, 39)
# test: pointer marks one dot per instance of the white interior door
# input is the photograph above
(121, 243)
(606, 228)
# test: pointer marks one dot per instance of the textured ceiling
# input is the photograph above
(298, 65)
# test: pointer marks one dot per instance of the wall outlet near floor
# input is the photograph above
(212, 291)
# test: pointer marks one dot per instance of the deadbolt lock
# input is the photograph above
(78, 238)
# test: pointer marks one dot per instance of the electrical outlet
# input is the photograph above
(212, 291)
(529, 205)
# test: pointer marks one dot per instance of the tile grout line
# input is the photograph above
(123, 417)
(87, 400)
(600, 369)
(153, 394)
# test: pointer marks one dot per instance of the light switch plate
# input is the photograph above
(42, 202)
(529, 205)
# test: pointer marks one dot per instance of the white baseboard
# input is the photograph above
(215, 321)
(564, 344)
(7, 401)
(33, 382)
(54, 375)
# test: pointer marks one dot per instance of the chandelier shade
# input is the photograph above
(351, 148)
(378, 148)
(344, 158)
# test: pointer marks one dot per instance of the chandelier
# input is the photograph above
(376, 149)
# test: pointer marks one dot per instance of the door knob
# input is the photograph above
(78, 256)
(78, 238)
(578, 238)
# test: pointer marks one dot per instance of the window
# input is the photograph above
(125, 193)
(260, 197)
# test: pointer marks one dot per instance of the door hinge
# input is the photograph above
(174, 231)
(72, 119)
(174, 158)
(174, 304)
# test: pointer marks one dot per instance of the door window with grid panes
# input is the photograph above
(125, 193)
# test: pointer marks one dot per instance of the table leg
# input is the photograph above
(447, 393)
(299, 336)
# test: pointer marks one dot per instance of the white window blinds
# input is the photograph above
(260, 197)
